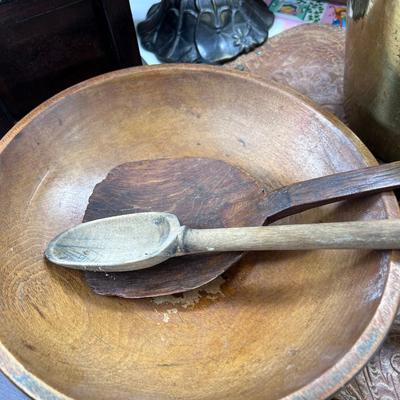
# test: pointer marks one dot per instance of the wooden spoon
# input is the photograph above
(207, 193)
(137, 241)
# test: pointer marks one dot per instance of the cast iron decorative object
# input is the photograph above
(204, 31)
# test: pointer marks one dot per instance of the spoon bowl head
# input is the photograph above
(125, 242)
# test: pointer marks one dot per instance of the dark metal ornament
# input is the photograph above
(204, 31)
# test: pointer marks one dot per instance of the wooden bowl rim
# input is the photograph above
(330, 381)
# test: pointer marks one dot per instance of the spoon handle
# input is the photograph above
(304, 195)
(382, 234)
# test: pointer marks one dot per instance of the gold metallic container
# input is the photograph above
(372, 74)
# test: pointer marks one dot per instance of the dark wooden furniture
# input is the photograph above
(48, 45)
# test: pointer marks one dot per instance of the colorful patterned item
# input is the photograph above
(308, 11)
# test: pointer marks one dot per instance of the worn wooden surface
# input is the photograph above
(380, 379)
(278, 326)
(291, 58)
(308, 58)
(143, 240)
(209, 193)
(377, 234)
(301, 196)
(202, 192)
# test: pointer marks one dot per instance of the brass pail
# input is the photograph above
(372, 74)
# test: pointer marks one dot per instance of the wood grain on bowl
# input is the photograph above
(277, 326)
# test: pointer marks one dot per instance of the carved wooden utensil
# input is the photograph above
(138, 241)
(207, 193)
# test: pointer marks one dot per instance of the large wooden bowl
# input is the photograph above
(282, 325)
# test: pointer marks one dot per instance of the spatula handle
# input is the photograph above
(302, 196)
(382, 234)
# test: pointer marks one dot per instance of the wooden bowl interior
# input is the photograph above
(274, 325)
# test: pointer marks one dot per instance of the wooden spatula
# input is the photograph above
(207, 193)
